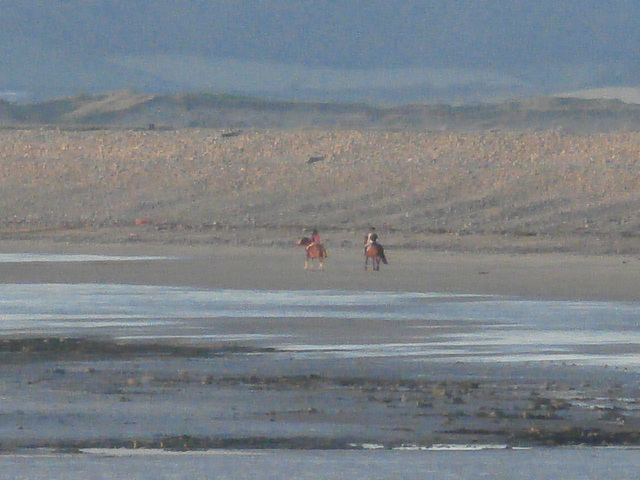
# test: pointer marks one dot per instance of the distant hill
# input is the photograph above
(131, 110)
(382, 52)
(624, 94)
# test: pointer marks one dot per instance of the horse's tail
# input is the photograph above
(323, 251)
(383, 259)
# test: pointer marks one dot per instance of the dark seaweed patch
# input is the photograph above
(81, 348)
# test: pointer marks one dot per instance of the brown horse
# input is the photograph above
(375, 252)
(314, 252)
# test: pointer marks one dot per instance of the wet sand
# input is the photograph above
(535, 276)
(98, 392)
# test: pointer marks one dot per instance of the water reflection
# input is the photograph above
(413, 325)
(61, 257)
(534, 464)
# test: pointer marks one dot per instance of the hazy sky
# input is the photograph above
(95, 41)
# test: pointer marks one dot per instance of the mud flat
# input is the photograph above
(72, 394)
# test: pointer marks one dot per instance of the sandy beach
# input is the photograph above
(487, 191)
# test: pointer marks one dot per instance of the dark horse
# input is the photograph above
(375, 252)
(314, 252)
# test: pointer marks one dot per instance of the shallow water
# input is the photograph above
(417, 326)
(534, 464)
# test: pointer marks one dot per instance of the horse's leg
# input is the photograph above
(366, 262)
(376, 264)
(320, 264)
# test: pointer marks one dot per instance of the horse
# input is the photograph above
(375, 252)
(315, 252)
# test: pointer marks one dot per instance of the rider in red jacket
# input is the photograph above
(315, 239)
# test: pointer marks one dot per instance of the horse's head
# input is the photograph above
(304, 241)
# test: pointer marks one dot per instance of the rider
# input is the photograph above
(370, 238)
(315, 239)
